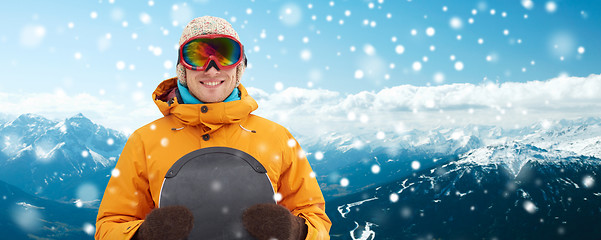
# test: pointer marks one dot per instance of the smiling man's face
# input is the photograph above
(212, 85)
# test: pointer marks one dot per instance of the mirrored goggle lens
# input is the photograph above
(197, 52)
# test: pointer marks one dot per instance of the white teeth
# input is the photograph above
(211, 83)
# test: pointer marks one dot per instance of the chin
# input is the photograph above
(212, 100)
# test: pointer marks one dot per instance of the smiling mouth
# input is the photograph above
(212, 83)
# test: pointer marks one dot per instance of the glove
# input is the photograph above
(166, 223)
(272, 221)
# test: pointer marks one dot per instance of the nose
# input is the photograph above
(212, 70)
(212, 65)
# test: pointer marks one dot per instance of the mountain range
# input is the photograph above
(452, 183)
(513, 190)
(50, 159)
(353, 155)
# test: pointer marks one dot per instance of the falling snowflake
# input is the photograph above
(380, 135)
(369, 49)
(351, 116)
(279, 86)
(430, 31)
(319, 155)
(417, 66)
(456, 23)
(120, 65)
(528, 4)
(364, 118)
(157, 51)
(439, 77)
(530, 207)
(358, 144)
(588, 181)
(415, 165)
(305, 55)
(459, 66)
(291, 142)
(551, 7)
(145, 18)
(89, 229)
(216, 186)
(32, 35)
(344, 182)
(399, 49)
(359, 74)
(27, 218)
(168, 64)
(375, 169)
(290, 14)
(406, 212)
(87, 192)
(277, 197)
(394, 197)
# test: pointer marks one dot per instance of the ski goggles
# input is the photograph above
(197, 52)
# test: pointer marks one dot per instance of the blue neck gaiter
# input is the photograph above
(188, 98)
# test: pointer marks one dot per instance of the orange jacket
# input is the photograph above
(133, 190)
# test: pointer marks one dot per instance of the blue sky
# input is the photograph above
(114, 53)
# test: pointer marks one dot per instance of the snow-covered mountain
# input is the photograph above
(51, 158)
(353, 155)
(575, 135)
(581, 137)
(428, 184)
(505, 191)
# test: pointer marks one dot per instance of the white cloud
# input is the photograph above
(315, 112)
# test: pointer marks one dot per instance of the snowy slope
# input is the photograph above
(351, 155)
(507, 191)
(23, 216)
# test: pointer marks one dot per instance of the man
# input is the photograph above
(206, 106)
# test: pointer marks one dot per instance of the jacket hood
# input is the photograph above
(211, 115)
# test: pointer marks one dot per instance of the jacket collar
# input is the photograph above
(212, 115)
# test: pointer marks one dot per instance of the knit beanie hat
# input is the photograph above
(203, 26)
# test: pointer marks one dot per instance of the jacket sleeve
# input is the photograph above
(127, 198)
(300, 191)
